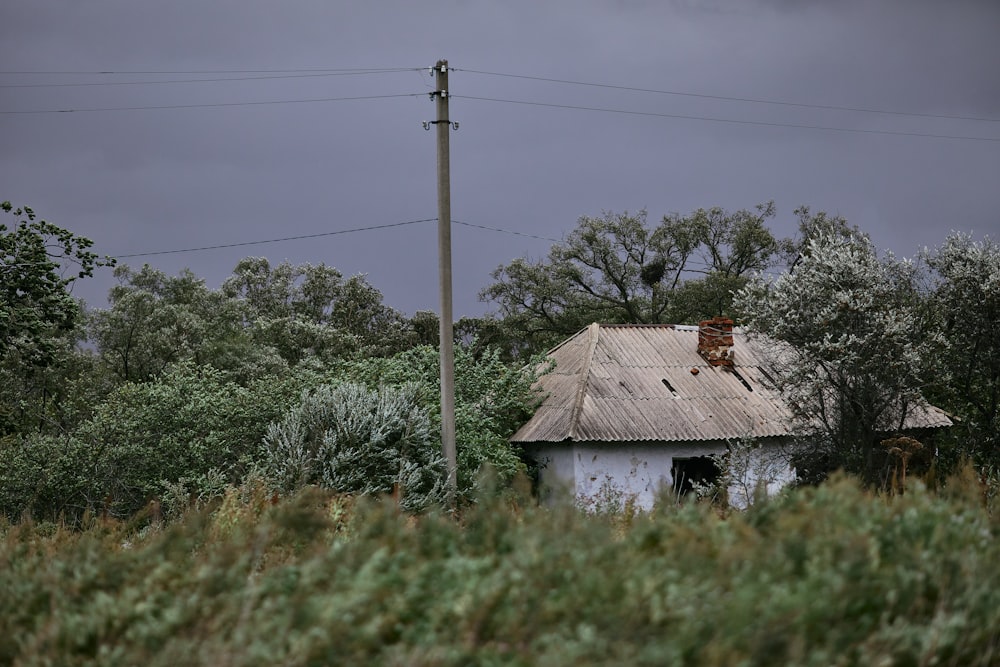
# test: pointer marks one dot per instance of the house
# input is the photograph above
(633, 410)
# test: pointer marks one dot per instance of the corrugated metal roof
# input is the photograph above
(614, 383)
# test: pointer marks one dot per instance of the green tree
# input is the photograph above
(39, 318)
(815, 227)
(478, 335)
(617, 268)
(38, 264)
(612, 268)
(51, 398)
(849, 345)
(312, 311)
(155, 320)
(264, 320)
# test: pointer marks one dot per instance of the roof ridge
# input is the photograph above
(594, 332)
(567, 341)
(635, 325)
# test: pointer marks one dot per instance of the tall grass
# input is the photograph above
(824, 576)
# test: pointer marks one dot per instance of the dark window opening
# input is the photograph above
(691, 471)
(669, 386)
(741, 379)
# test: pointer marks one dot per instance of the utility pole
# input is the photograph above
(446, 331)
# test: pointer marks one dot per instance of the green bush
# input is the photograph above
(190, 427)
(47, 477)
(354, 440)
(824, 576)
(492, 400)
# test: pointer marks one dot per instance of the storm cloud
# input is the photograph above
(751, 104)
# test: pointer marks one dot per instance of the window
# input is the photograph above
(687, 472)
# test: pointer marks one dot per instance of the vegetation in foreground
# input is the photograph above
(830, 575)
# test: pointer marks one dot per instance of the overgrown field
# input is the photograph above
(824, 576)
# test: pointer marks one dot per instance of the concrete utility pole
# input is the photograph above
(446, 332)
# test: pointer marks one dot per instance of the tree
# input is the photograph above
(39, 319)
(849, 347)
(38, 264)
(50, 398)
(155, 320)
(966, 303)
(612, 268)
(264, 320)
(617, 269)
(311, 311)
(478, 335)
(815, 227)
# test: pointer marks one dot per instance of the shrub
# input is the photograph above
(188, 429)
(819, 576)
(492, 400)
(354, 440)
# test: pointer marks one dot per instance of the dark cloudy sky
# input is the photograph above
(148, 180)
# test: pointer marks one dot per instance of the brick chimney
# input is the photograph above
(715, 341)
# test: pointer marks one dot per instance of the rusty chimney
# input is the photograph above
(715, 341)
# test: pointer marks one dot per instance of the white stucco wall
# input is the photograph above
(766, 465)
(605, 475)
(557, 473)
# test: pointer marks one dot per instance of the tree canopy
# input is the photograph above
(264, 319)
(618, 268)
(853, 348)
(965, 300)
(40, 320)
(38, 264)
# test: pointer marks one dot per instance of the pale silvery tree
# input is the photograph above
(848, 345)
(966, 301)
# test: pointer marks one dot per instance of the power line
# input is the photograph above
(217, 71)
(729, 120)
(212, 80)
(278, 240)
(334, 233)
(694, 262)
(734, 99)
(505, 231)
(215, 104)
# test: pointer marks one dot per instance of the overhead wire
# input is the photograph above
(320, 72)
(729, 98)
(213, 104)
(333, 233)
(211, 80)
(277, 240)
(726, 120)
(506, 231)
(693, 262)
(310, 73)
(216, 71)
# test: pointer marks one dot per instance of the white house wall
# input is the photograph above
(606, 475)
(637, 471)
(557, 472)
(766, 466)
